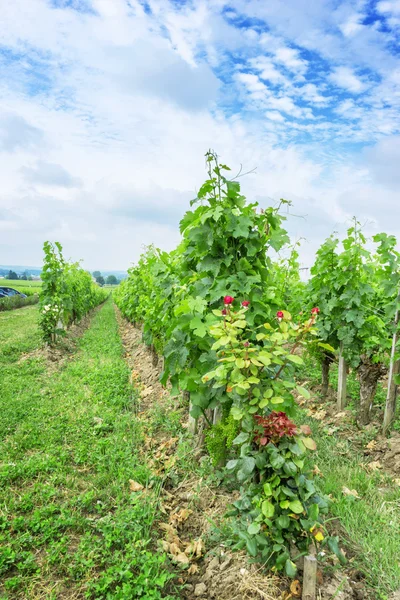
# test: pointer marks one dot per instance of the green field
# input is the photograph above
(17, 283)
(70, 444)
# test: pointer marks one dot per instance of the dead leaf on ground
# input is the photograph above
(180, 517)
(316, 471)
(375, 465)
(134, 486)
(319, 414)
(193, 569)
(295, 588)
(371, 445)
(347, 492)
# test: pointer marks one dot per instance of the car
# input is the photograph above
(7, 291)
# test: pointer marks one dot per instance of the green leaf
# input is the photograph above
(296, 507)
(231, 464)
(267, 489)
(241, 438)
(333, 544)
(267, 509)
(303, 392)
(236, 413)
(264, 402)
(247, 466)
(253, 528)
(290, 568)
(251, 546)
(294, 358)
(283, 521)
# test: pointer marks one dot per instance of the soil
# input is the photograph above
(192, 509)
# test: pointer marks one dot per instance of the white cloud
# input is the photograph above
(345, 78)
(289, 57)
(105, 120)
(274, 115)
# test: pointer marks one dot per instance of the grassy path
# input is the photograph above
(19, 332)
(69, 526)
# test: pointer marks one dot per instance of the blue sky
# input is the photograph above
(108, 106)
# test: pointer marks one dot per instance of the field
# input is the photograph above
(212, 428)
(75, 450)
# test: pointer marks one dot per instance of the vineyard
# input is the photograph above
(244, 427)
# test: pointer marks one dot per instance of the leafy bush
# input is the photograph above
(279, 512)
(68, 293)
(11, 302)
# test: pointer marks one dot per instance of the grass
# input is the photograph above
(370, 524)
(69, 524)
(18, 283)
(19, 332)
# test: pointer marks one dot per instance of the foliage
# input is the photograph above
(111, 280)
(225, 248)
(279, 507)
(67, 294)
(356, 291)
(12, 302)
(219, 438)
(12, 275)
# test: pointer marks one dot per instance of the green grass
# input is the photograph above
(19, 332)
(18, 283)
(370, 525)
(68, 521)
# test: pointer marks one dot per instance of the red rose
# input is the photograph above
(228, 300)
(224, 311)
(245, 303)
(280, 314)
(246, 344)
(315, 310)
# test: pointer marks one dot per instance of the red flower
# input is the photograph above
(315, 310)
(246, 344)
(228, 300)
(280, 314)
(224, 311)
(245, 303)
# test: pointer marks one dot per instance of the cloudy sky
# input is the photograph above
(107, 108)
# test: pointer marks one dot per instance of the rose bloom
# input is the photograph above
(315, 310)
(228, 299)
(245, 303)
(280, 314)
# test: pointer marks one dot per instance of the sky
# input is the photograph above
(107, 108)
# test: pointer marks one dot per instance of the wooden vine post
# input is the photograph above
(394, 370)
(310, 578)
(342, 381)
(192, 423)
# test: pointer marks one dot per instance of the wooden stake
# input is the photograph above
(192, 423)
(342, 381)
(390, 408)
(310, 578)
(217, 415)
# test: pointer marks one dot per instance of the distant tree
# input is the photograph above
(12, 275)
(30, 278)
(96, 274)
(111, 280)
(24, 277)
(100, 280)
